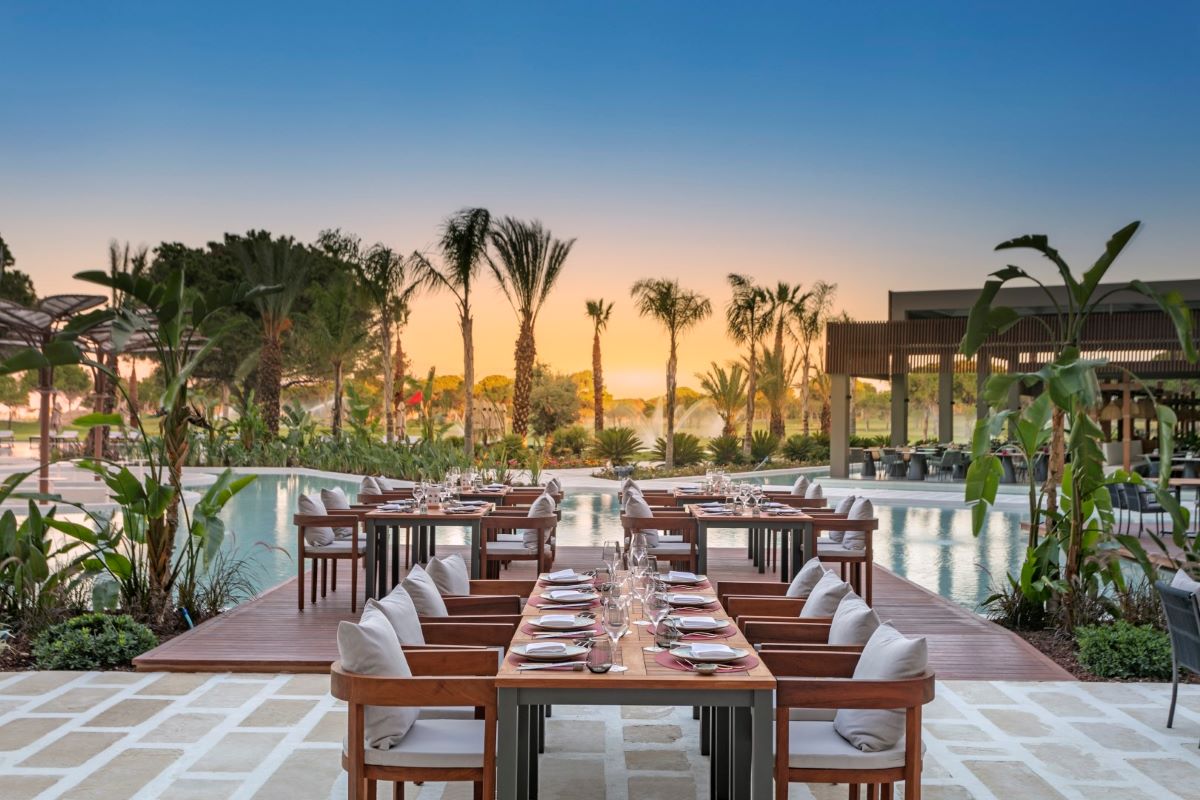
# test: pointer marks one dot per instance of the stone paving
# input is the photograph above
(121, 735)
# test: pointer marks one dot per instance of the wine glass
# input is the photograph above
(657, 606)
(610, 554)
(418, 493)
(642, 584)
(616, 623)
(650, 566)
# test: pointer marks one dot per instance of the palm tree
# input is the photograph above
(778, 372)
(390, 281)
(599, 312)
(810, 320)
(464, 247)
(747, 321)
(677, 309)
(528, 262)
(336, 331)
(782, 303)
(727, 391)
(273, 262)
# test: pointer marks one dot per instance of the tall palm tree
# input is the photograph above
(778, 372)
(336, 331)
(782, 303)
(810, 319)
(677, 309)
(273, 262)
(599, 311)
(463, 248)
(528, 262)
(747, 321)
(727, 391)
(391, 282)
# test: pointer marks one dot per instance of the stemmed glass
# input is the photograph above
(656, 606)
(418, 493)
(610, 553)
(616, 623)
(642, 585)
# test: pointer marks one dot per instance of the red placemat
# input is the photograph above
(687, 587)
(530, 630)
(513, 658)
(670, 662)
(702, 636)
(541, 602)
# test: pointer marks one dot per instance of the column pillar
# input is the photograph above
(945, 407)
(839, 427)
(899, 410)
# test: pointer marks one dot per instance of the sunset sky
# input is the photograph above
(879, 146)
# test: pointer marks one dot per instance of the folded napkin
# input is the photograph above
(393, 507)
(552, 618)
(707, 649)
(698, 623)
(561, 594)
(561, 574)
(545, 648)
(682, 576)
(495, 487)
(689, 599)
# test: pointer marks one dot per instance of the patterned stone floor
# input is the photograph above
(126, 735)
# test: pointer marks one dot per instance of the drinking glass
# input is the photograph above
(610, 553)
(600, 656)
(642, 583)
(616, 623)
(668, 633)
(418, 494)
(650, 566)
(656, 606)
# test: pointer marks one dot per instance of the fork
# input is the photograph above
(683, 662)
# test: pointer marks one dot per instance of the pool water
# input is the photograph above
(931, 546)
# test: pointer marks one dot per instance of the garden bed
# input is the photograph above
(1061, 649)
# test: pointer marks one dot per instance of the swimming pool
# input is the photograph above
(931, 546)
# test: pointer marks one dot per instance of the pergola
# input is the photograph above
(925, 329)
(35, 328)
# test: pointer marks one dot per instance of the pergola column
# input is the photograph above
(946, 400)
(899, 410)
(983, 371)
(839, 426)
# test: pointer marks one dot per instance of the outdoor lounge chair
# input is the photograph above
(1182, 609)
(1141, 501)
(325, 557)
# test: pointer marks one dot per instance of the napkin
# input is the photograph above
(393, 507)
(545, 648)
(707, 649)
(560, 594)
(701, 623)
(681, 576)
(564, 618)
(689, 599)
(562, 573)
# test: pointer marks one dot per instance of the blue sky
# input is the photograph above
(884, 145)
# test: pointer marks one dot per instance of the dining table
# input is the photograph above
(740, 702)
(383, 550)
(1179, 484)
(796, 525)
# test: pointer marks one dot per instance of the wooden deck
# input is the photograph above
(269, 634)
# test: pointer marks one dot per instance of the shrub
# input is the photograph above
(806, 448)
(725, 450)
(573, 440)
(92, 641)
(688, 449)
(553, 403)
(1121, 650)
(617, 445)
(763, 445)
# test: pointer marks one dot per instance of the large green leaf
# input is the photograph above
(1174, 306)
(1041, 243)
(984, 320)
(1112, 249)
(97, 419)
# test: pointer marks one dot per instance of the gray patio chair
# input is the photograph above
(1183, 624)
(1141, 501)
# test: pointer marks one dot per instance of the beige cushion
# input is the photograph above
(393, 484)
(371, 648)
(823, 600)
(447, 712)
(367, 487)
(888, 655)
(554, 486)
(806, 579)
(670, 549)
(862, 509)
(628, 485)
(637, 507)
(450, 575)
(814, 492)
(311, 506)
(543, 506)
(398, 607)
(424, 593)
(516, 548)
(815, 744)
(800, 486)
(844, 505)
(335, 547)
(853, 622)
(335, 500)
(441, 743)
(1183, 581)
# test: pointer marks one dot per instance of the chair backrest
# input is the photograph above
(1183, 623)
(1133, 496)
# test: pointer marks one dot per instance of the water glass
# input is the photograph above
(656, 606)
(668, 633)
(615, 618)
(600, 656)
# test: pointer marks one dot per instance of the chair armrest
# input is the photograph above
(474, 633)
(520, 588)
(418, 690)
(839, 692)
(512, 620)
(737, 606)
(482, 604)
(749, 589)
(759, 631)
(810, 662)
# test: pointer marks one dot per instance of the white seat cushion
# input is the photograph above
(812, 714)
(516, 548)
(335, 547)
(834, 550)
(670, 538)
(424, 593)
(670, 549)
(510, 537)
(823, 600)
(450, 575)
(816, 745)
(439, 743)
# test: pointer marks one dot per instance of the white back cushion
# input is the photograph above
(639, 508)
(312, 506)
(368, 486)
(371, 648)
(844, 505)
(398, 607)
(628, 485)
(800, 486)
(862, 509)
(1184, 581)
(424, 593)
(553, 486)
(806, 579)
(823, 600)
(854, 621)
(888, 655)
(450, 575)
(335, 499)
(393, 484)
(814, 492)
(543, 506)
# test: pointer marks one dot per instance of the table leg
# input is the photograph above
(395, 551)
(810, 545)
(476, 531)
(787, 538)
(523, 754)
(701, 547)
(741, 752)
(762, 748)
(506, 744)
(371, 559)
(797, 548)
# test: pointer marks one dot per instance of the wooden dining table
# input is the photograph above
(797, 526)
(384, 550)
(742, 705)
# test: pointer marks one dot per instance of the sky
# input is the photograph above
(875, 145)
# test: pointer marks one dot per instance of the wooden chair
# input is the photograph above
(327, 556)
(492, 552)
(824, 680)
(447, 678)
(681, 553)
(859, 563)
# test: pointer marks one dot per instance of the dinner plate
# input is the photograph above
(682, 581)
(568, 596)
(576, 623)
(693, 625)
(690, 599)
(685, 651)
(568, 651)
(569, 579)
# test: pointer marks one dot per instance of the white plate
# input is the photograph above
(569, 651)
(682, 581)
(691, 626)
(685, 651)
(570, 597)
(576, 623)
(690, 599)
(569, 579)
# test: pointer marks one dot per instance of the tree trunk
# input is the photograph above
(160, 534)
(669, 449)
(389, 421)
(751, 388)
(467, 324)
(524, 355)
(270, 375)
(597, 384)
(399, 375)
(1054, 472)
(336, 424)
(777, 427)
(804, 389)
